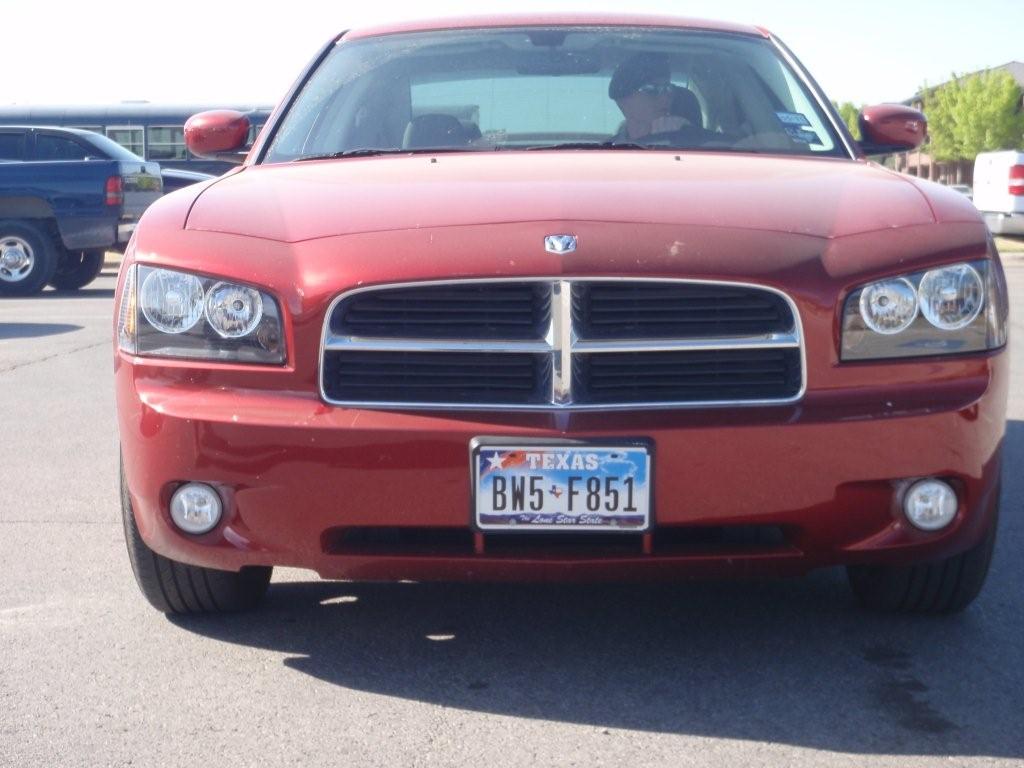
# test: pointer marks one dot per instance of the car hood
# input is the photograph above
(308, 200)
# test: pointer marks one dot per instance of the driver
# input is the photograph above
(642, 87)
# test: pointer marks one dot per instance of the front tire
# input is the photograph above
(179, 588)
(942, 586)
(28, 257)
(76, 269)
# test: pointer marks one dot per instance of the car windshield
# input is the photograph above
(553, 87)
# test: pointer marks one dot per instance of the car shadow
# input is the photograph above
(35, 330)
(795, 662)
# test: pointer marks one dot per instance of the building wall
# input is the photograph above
(921, 164)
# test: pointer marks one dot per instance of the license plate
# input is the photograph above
(561, 487)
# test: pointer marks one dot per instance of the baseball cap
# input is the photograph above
(637, 71)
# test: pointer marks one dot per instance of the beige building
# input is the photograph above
(920, 163)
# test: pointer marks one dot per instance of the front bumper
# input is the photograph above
(824, 474)
(1005, 223)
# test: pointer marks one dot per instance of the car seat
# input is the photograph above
(684, 104)
(434, 130)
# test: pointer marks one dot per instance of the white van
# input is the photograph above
(999, 190)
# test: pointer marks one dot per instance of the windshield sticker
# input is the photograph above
(792, 118)
(802, 134)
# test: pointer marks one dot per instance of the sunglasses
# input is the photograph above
(654, 89)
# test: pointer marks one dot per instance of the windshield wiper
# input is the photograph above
(593, 145)
(351, 153)
(370, 152)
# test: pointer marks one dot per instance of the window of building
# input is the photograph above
(132, 139)
(166, 142)
(254, 131)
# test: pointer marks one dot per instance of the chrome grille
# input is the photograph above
(675, 310)
(642, 377)
(537, 344)
(438, 377)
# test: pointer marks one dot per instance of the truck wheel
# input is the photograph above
(76, 269)
(28, 258)
(943, 586)
(174, 587)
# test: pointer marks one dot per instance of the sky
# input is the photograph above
(183, 51)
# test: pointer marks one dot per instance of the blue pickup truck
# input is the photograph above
(59, 215)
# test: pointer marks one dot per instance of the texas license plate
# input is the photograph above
(561, 487)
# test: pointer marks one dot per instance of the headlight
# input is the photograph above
(947, 310)
(178, 314)
(233, 310)
(172, 302)
(951, 297)
(889, 306)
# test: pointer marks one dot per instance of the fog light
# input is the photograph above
(195, 508)
(930, 504)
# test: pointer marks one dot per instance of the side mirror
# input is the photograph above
(888, 128)
(219, 134)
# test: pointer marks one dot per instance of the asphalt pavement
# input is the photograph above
(734, 674)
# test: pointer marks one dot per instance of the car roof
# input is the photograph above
(554, 19)
(56, 128)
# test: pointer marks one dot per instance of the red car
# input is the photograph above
(560, 298)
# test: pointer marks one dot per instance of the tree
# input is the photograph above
(850, 114)
(974, 114)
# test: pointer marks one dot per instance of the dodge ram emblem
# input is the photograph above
(560, 243)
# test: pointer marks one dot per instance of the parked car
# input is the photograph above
(963, 189)
(59, 216)
(151, 131)
(52, 143)
(449, 320)
(999, 190)
(176, 178)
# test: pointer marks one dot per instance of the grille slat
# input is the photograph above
(620, 316)
(611, 377)
(664, 388)
(639, 343)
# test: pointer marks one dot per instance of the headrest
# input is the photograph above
(427, 131)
